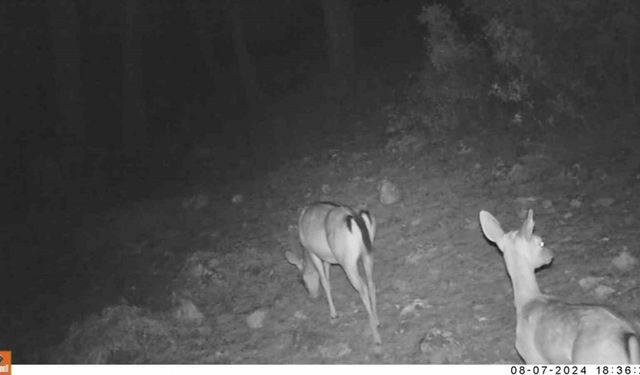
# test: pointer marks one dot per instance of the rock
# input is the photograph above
(522, 213)
(205, 330)
(196, 202)
(333, 153)
(255, 320)
(547, 205)
(389, 193)
(604, 202)
(334, 351)
(603, 292)
(406, 143)
(416, 222)
(412, 306)
(589, 282)
(299, 315)
(575, 203)
(187, 312)
(567, 216)
(213, 263)
(237, 199)
(438, 347)
(196, 271)
(625, 261)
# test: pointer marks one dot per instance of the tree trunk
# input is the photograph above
(247, 70)
(66, 50)
(134, 127)
(68, 155)
(340, 43)
(628, 56)
(203, 32)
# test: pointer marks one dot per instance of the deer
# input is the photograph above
(548, 330)
(334, 233)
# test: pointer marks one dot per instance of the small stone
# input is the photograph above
(406, 143)
(213, 263)
(196, 271)
(237, 199)
(325, 188)
(590, 282)
(522, 213)
(334, 351)
(575, 203)
(196, 202)
(205, 330)
(412, 306)
(625, 261)
(603, 292)
(604, 202)
(389, 193)
(299, 315)
(438, 346)
(187, 312)
(256, 319)
(202, 200)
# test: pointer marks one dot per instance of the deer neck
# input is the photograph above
(524, 283)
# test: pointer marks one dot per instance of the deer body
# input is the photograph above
(332, 233)
(552, 331)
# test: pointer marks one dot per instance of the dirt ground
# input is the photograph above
(203, 277)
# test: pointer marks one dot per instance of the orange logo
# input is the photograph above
(5, 362)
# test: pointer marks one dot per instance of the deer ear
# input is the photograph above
(491, 227)
(527, 227)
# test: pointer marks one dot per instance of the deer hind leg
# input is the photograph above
(367, 262)
(351, 269)
(323, 271)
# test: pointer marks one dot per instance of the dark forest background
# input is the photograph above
(96, 93)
